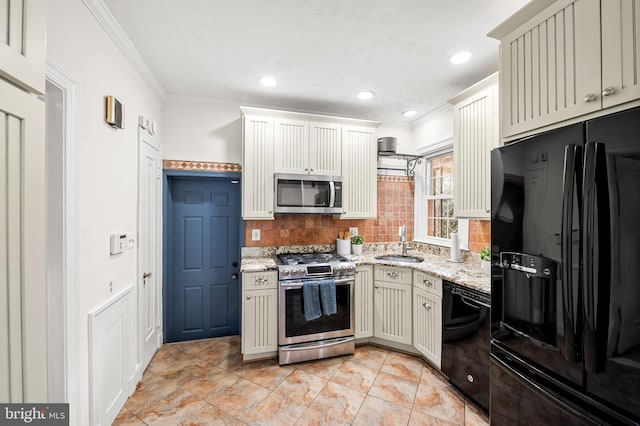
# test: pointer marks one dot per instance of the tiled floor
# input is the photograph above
(206, 383)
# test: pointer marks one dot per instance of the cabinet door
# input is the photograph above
(392, 312)
(23, 337)
(325, 149)
(427, 325)
(475, 135)
(257, 168)
(550, 66)
(260, 321)
(364, 301)
(620, 51)
(23, 43)
(359, 172)
(292, 146)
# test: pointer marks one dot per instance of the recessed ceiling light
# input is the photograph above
(460, 58)
(268, 81)
(409, 113)
(366, 94)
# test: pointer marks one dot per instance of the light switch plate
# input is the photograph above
(353, 230)
(131, 240)
(255, 235)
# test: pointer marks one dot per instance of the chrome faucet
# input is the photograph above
(403, 237)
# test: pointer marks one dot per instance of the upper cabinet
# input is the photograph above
(359, 172)
(563, 59)
(290, 142)
(23, 43)
(308, 147)
(475, 134)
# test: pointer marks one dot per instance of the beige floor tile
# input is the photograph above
(301, 386)
(375, 411)
(195, 346)
(404, 366)
(355, 376)
(312, 417)
(151, 389)
(394, 389)
(433, 378)
(337, 403)
(239, 399)
(127, 418)
(275, 410)
(324, 368)
(420, 419)
(205, 382)
(370, 356)
(210, 415)
(172, 409)
(267, 373)
(443, 403)
(473, 416)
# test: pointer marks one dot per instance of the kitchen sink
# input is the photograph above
(400, 258)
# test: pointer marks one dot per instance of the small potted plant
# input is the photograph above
(485, 260)
(356, 244)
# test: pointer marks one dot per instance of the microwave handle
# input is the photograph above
(332, 191)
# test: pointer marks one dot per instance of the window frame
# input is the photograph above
(421, 187)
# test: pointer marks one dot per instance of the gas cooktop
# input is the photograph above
(301, 266)
(310, 258)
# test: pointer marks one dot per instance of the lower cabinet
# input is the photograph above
(259, 314)
(427, 316)
(363, 299)
(392, 304)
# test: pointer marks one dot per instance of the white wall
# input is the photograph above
(107, 157)
(434, 128)
(202, 130)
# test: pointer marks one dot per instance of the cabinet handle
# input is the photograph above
(306, 169)
(427, 282)
(393, 275)
(590, 97)
(608, 91)
(310, 170)
(427, 306)
(376, 286)
(248, 297)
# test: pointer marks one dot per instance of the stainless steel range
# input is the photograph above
(300, 339)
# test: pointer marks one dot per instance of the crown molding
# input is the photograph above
(108, 22)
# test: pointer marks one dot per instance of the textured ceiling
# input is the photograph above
(322, 52)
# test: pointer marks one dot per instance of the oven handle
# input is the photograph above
(319, 345)
(298, 284)
(474, 303)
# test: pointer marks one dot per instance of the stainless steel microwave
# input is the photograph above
(307, 194)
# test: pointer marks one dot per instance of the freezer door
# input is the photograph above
(612, 262)
(529, 313)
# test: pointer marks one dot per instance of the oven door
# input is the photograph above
(294, 328)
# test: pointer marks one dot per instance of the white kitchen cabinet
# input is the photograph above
(257, 167)
(475, 134)
(550, 66)
(359, 172)
(259, 314)
(364, 301)
(392, 304)
(427, 316)
(308, 147)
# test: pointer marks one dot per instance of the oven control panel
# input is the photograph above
(322, 270)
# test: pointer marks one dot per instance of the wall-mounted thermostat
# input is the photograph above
(118, 243)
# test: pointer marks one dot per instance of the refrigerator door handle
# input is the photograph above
(572, 178)
(596, 258)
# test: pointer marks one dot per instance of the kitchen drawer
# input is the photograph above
(427, 282)
(392, 274)
(259, 280)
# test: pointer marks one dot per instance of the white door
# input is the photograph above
(148, 247)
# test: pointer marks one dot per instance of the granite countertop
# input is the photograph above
(466, 274)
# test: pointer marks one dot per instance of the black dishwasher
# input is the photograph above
(465, 341)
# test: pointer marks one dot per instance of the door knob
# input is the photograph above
(234, 276)
(145, 275)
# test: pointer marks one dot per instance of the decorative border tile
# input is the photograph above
(202, 166)
(391, 178)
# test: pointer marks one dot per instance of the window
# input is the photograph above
(440, 220)
(434, 220)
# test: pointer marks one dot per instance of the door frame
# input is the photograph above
(69, 85)
(168, 175)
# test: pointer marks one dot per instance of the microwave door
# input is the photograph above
(316, 193)
(290, 193)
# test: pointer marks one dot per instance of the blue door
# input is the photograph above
(204, 288)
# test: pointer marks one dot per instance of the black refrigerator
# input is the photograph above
(565, 246)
